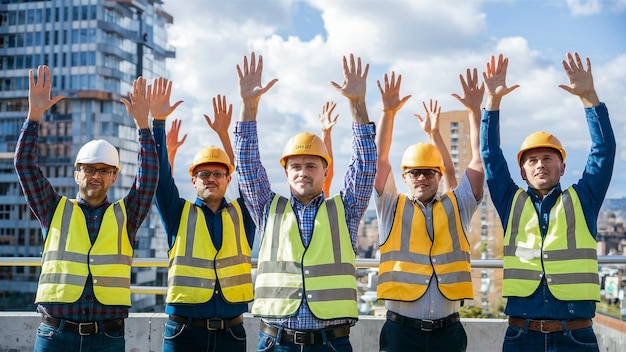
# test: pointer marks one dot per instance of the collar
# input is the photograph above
(554, 192)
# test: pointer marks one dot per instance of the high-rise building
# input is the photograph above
(95, 50)
(485, 231)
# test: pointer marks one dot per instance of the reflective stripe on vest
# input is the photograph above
(409, 257)
(192, 270)
(66, 264)
(567, 255)
(324, 272)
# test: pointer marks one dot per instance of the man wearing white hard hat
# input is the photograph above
(425, 271)
(210, 240)
(84, 288)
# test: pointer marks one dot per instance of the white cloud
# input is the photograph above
(584, 7)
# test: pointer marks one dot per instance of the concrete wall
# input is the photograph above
(144, 333)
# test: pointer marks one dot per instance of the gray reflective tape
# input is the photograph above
(65, 256)
(573, 278)
(408, 257)
(451, 257)
(570, 219)
(293, 293)
(231, 261)
(277, 221)
(194, 262)
(192, 219)
(454, 277)
(511, 247)
(522, 274)
(111, 259)
(452, 229)
(62, 279)
(337, 294)
(237, 229)
(399, 276)
(237, 280)
(103, 281)
(406, 229)
(189, 281)
(569, 254)
(333, 220)
(119, 218)
(279, 267)
(330, 270)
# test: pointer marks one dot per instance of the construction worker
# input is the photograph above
(550, 264)
(424, 270)
(84, 287)
(210, 240)
(305, 289)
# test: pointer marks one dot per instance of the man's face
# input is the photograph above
(94, 181)
(422, 184)
(542, 169)
(305, 175)
(210, 182)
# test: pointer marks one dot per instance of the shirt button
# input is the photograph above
(571, 311)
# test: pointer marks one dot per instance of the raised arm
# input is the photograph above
(250, 87)
(172, 142)
(430, 125)
(494, 79)
(390, 96)
(472, 98)
(353, 88)
(327, 122)
(221, 122)
(160, 108)
(139, 105)
(580, 80)
(39, 93)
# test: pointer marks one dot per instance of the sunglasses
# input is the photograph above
(415, 173)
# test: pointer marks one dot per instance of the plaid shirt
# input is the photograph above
(356, 193)
(43, 199)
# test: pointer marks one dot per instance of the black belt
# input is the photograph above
(88, 328)
(421, 324)
(210, 323)
(306, 337)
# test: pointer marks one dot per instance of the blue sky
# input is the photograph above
(429, 42)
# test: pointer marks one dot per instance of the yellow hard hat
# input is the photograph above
(211, 154)
(540, 139)
(305, 144)
(422, 155)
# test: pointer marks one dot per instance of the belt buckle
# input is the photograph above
(81, 325)
(427, 325)
(215, 324)
(299, 337)
(541, 327)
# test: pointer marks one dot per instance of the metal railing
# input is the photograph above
(360, 263)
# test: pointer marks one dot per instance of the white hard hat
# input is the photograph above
(98, 151)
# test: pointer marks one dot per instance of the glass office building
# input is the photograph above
(95, 50)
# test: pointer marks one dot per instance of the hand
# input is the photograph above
(430, 123)
(39, 93)
(326, 120)
(139, 105)
(391, 93)
(495, 77)
(160, 106)
(354, 81)
(250, 87)
(222, 115)
(473, 94)
(580, 80)
(171, 137)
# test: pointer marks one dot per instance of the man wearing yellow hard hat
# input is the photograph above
(83, 293)
(550, 264)
(424, 271)
(305, 289)
(210, 240)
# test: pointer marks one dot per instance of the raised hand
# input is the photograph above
(222, 115)
(139, 105)
(580, 80)
(495, 81)
(430, 121)
(326, 120)
(250, 86)
(390, 93)
(39, 93)
(354, 79)
(472, 92)
(161, 92)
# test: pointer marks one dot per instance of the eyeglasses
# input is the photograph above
(206, 174)
(415, 173)
(90, 171)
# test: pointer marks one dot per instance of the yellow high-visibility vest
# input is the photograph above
(67, 262)
(195, 263)
(567, 255)
(409, 257)
(324, 273)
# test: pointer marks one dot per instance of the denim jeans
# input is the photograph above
(269, 343)
(183, 337)
(520, 339)
(395, 337)
(51, 339)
